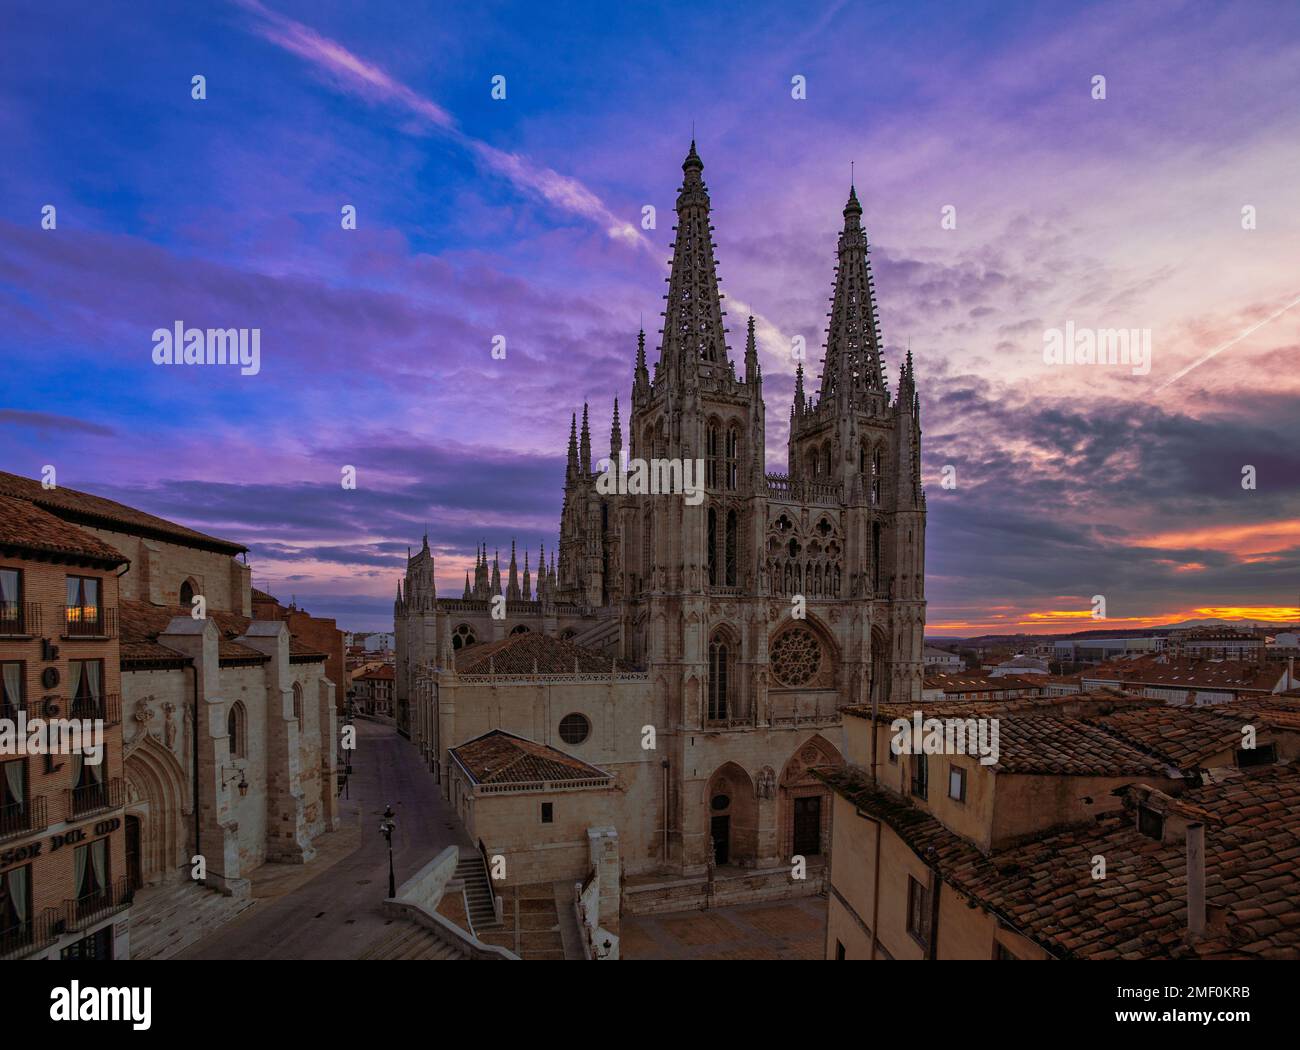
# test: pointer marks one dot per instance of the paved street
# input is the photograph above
(336, 914)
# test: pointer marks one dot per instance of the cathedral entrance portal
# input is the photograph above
(808, 825)
(721, 832)
(733, 816)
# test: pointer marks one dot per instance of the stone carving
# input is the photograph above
(142, 715)
(766, 782)
(169, 725)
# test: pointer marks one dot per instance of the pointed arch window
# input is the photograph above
(721, 666)
(187, 594)
(236, 730)
(729, 556)
(711, 456)
(733, 449)
(876, 463)
(712, 540)
(297, 702)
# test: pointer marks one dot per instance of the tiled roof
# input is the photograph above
(531, 652)
(262, 596)
(1054, 746)
(1185, 736)
(1045, 889)
(1190, 674)
(1094, 702)
(499, 757)
(385, 673)
(141, 623)
(84, 508)
(24, 527)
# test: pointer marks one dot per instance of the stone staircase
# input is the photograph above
(472, 870)
(409, 941)
(168, 919)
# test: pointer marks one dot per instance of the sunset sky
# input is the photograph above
(521, 217)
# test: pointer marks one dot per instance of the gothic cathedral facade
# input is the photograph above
(746, 618)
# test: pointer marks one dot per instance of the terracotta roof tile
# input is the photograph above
(499, 757)
(25, 527)
(106, 513)
(532, 652)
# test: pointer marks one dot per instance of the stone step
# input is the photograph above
(411, 942)
(166, 921)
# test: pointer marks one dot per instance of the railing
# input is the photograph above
(91, 798)
(796, 713)
(32, 935)
(88, 621)
(107, 708)
(542, 785)
(81, 912)
(20, 817)
(19, 618)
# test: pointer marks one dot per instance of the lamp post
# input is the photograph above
(386, 828)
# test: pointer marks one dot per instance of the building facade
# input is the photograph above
(735, 622)
(66, 882)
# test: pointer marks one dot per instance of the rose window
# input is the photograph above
(796, 657)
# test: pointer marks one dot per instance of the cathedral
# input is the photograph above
(727, 630)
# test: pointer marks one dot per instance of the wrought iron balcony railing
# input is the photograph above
(89, 621)
(107, 707)
(18, 619)
(19, 818)
(89, 909)
(91, 798)
(26, 937)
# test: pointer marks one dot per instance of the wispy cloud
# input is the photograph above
(351, 73)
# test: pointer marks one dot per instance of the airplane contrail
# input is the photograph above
(1230, 343)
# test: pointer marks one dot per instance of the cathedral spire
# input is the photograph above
(528, 580)
(753, 373)
(573, 445)
(615, 438)
(584, 446)
(693, 335)
(466, 595)
(799, 399)
(853, 365)
(512, 589)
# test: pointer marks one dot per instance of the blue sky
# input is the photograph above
(519, 217)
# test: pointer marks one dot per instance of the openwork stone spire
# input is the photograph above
(693, 335)
(853, 364)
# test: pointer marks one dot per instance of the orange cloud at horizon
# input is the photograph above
(1042, 621)
(1241, 540)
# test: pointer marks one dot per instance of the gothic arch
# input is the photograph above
(156, 795)
(732, 828)
(804, 801)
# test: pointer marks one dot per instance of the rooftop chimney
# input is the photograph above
(1195, 880)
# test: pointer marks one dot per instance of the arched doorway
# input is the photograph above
(805, 800)
(156, 801)
(732, 810)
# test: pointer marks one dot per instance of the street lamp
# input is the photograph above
(386, 828)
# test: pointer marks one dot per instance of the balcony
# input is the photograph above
(93, 798)
(87, 621)
(19, 818)
(107, 708)
(32, 935)
(82, 912)
(19, 619)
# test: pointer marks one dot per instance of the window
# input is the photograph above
(918, 912)
(711, 538)
(548, 813)
(733, 446)
(521, 629)
(1151, 823)
(1265, 755)
(463, 637)
(16, 907)
(957, 783)
(88, 788)
(83, 611)
(235, 730)
(11, 688)
(85, 688)
(187, 593)
(90, 874)
(297, 702)
(720, 664)
(11, 602)
(729, 551)
(920, 776)
(711, 457)
(574, 728)
(13, 797)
